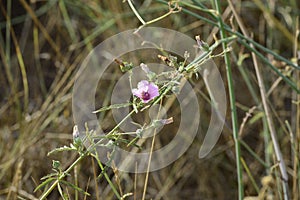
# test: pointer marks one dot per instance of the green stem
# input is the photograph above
(197, 7)
(232, 105)
(106, 176)
(206, 54)
(136, 12)
(266, 61)
(240, 35)
(245, 145)
(62, 176)
(121, 122)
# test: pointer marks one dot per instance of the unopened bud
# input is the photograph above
(161, 122)
(202, 45)
(76, 138)
(75, 132)
(55, 164)
(145, 68)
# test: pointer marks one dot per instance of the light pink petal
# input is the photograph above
(153, 90)
(137, 93)
(145, 68)
(142, 84)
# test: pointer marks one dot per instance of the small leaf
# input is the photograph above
(74, 187)
(49, 175)
(133, 142)
(64, 148)
(60, 191)
(44, 184)
(126, 66)
(256, 117)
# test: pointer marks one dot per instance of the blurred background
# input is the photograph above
(43, 44)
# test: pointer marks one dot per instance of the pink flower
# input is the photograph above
(146, 91)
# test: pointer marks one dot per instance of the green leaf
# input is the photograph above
(122, 105)
(44, 184)
(49, 175)
(61, 191)
(55, 164)
(64, 148)
(256, 117)
(125, 66)
(74, 187)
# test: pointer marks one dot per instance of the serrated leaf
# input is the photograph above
(122, 105)
(60, 149)
(74, 187)
(44, 184)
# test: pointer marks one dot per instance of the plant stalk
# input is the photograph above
(62, 176)
(232, 105)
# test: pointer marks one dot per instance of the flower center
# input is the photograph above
(145, 95)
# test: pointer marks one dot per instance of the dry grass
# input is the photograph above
(42, 44)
